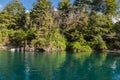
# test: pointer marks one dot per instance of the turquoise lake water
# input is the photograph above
(59, 66)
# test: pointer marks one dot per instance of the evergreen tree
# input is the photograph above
(83, 5)
(17, 12)
(64, 5)
(5, 20)
(104, 6)
(84, 25)
(99, 25)
(43, 22)
(110, 7)
(38, 13)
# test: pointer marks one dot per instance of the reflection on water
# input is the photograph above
(59, 66)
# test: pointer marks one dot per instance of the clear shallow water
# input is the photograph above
(59, 66)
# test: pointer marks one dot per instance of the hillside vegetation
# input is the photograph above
(83, 25)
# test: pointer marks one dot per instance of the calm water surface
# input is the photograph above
(59, 66)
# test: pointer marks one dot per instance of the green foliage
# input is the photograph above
(83, 5)
(14, 7)
(83, 26)
(117, 27)
(30, 34)
(64, 5)
(78, 47)
(15, 13)
(54, 41)
(39, 10)
(4, 40)
(42, 5)
(104, 6)
(110, 7)
(100, 23)
(47, 35)
(73, 27)
(6, 20)
(57, 40)
(17, 37)
(114, 39)
(98, 43)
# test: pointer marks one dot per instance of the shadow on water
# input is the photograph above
(59, 66)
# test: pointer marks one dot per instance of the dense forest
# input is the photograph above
(83, 25)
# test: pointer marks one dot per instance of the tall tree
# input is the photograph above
(110, 7)
(5, 20)
(99, 25)
(83, 5)
(104, 6)
(38, 13)
(64, 5)
(43, 23)
(17, 11)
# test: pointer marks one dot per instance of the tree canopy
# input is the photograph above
(83, 25)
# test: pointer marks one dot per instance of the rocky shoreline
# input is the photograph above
(31, 49)
(28, 49)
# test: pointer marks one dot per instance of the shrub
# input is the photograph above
(98, 43)
(77, 46)
(54, 40)
(17, 37)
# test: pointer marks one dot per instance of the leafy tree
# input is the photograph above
(79, 45)
(116, 27)
(83, 5)
(17, 12)
(17, 38)
(64, 5)
(43, 22)
(104, 6)
(83, 26)
(73, 23)
(110, 7)
(39, 12)
(99, 24)
(113, 39)
(98, 43)
(5, 21)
